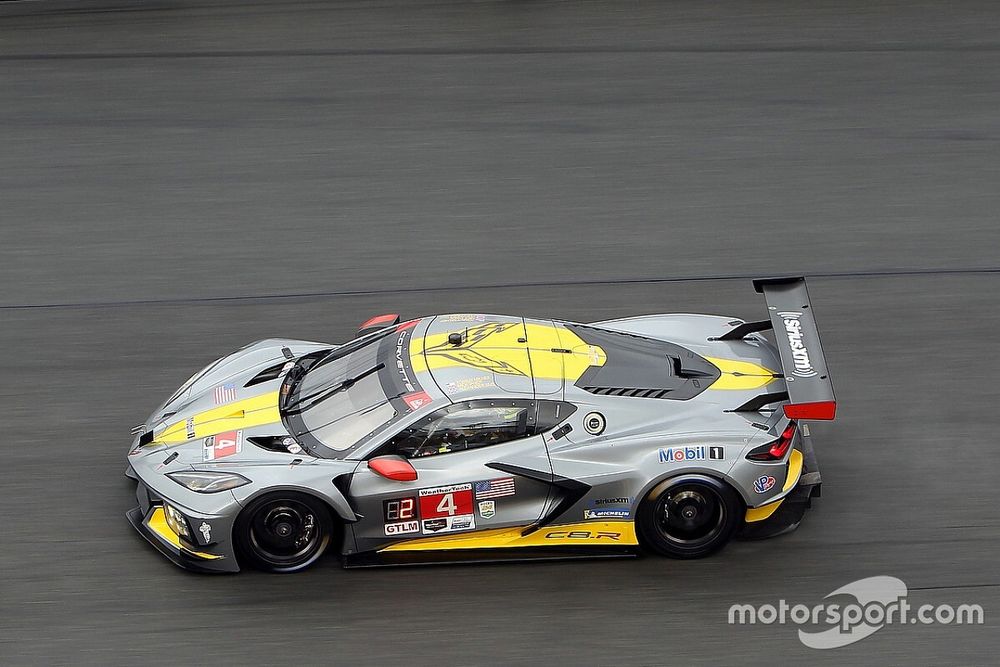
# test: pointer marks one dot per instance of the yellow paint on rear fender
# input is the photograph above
(794, 473)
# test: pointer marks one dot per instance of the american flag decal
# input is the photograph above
(225, 393)
(495, 488)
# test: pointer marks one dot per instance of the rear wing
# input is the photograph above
(810, 390)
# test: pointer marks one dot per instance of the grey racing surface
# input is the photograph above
(178, 179)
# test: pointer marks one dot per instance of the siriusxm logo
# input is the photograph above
(698, 453)
(800, 355)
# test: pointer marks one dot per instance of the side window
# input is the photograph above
(466, 426)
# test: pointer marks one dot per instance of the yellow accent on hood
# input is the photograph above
(589, 533)
(249, 412)
(740, 375)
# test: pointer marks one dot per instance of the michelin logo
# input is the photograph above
(800, 355)
(606, 514)
(699, 453)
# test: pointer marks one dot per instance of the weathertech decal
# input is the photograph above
(800, 355)
(446, 508)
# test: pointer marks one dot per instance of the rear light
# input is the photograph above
(775, 450)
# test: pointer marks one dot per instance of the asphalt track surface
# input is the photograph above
(180, 178)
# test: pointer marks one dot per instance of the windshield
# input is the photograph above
(339, 400)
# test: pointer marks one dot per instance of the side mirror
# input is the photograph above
(376, 323)
(393, 467)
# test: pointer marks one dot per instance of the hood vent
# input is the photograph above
(282, 444)
(266, 375)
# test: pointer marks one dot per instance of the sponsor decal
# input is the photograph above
(446, 508)
(449, 524)
(462, 317)
(221, 445)
(495, 488)
(594, 423)
(416, 400)
(400, 366)
(800, 354)
(583, 535)
(434, 525)
(292, 446)
(612, 501)
(470, 384)
(206, 531)
(224, 393)
(399, 509)
(487, 508)
(189, 424)
(401, 528)
(607, 513)
(696, 453)
(594, 354)
(763, 484)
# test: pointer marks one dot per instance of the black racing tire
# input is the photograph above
(283, 532)
(689, 516)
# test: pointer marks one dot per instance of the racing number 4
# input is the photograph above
(447, 504)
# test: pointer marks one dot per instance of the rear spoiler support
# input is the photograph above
(810, 390)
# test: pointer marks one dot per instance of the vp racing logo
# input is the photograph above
(800, 355)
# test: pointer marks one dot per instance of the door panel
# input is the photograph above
(454, 494)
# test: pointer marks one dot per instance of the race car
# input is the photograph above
(487, 437)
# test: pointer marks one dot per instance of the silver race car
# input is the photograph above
(470, 437)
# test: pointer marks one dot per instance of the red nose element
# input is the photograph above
(393, 467)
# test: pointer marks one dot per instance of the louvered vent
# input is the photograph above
(632, 392)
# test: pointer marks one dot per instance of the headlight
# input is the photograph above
(176, 521)
(208, 482)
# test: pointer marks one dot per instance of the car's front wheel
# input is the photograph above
(283, 532)
(689, 516)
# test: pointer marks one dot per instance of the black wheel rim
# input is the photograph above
(690, 515)
(285, 533)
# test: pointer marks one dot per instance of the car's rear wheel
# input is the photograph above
(689, 516)
(283, 532)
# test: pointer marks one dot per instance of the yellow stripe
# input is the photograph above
(158, 524)
(794, 473)
(497, 347)
(249, 412)
(590, 533)
(740, 375)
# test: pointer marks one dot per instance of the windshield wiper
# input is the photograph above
(324, 394)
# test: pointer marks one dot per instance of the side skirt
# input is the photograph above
(486, 555)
